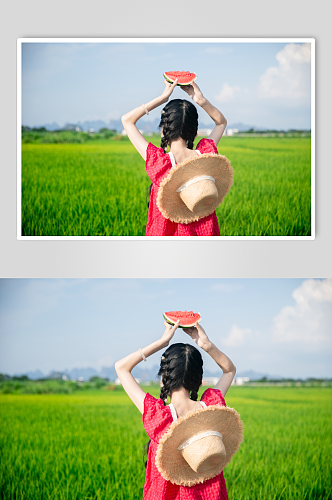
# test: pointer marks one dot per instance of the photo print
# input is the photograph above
(166, 138)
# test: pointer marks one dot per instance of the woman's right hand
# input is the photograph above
(197, 333)
(169, 87)
(195, 93)
(169, 332)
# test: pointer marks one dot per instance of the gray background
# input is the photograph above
(144, 258)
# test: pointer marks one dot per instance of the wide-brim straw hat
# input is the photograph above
(194, 188)
(192, 451)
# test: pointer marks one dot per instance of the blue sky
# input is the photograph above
(260, 84)
(277, 326)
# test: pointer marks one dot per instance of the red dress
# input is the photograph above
(158, 164)
(157, 419)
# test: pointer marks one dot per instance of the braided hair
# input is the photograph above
(181, 366)
(179, 118)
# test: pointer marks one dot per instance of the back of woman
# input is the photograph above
(179, 124)
(189, 443)
(157, 420)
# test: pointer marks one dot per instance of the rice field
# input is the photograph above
(99, 189)
(90, 446)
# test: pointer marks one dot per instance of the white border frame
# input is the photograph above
(162, 40)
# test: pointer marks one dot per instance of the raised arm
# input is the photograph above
(129, 119)
(220, 121)
(199, 336)
(124, 366)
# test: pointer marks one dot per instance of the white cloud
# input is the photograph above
(237, 336)
(227, 93)
(310, 320)
(291, 78)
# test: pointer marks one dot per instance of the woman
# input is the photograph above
(179, 123)
(181, 373)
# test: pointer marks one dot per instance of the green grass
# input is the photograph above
(90, 445)
(99, 189)
(52, 386)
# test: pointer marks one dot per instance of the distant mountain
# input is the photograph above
(34, 375)
(145, 373)
(242, 127)
(48, 126)
(96, 125)
(140, 372)
(258, 376)
(86, 373)
(108, 372)
(143, 124)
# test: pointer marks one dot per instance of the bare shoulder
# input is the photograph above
(186, 154)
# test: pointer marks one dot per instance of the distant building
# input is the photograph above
(231, 131)
(91, 130)
(64, 377)
(214, 380)
(118, 381)
(78, 129)
(210, 380)
(125, 133)
(204, 131)
(240, 380)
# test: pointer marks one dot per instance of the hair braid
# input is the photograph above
(165, 130)
(164, 391)
(190, 144)
(165, 379)
(194, 394)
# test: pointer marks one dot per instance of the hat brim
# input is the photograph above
(169, 460)
(168, 200)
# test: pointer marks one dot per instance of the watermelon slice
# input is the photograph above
(187, 318)
(184, 77)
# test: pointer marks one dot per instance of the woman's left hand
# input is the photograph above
(169, 332)
(168, 90)
(194, 92)
(197, 333)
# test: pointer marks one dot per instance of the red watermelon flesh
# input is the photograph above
(187, 318)
(184, 77)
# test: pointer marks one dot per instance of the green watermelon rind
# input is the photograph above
(180, 84)
(170, 322)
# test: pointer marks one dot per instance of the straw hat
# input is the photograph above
(194, 188)
(198, 446)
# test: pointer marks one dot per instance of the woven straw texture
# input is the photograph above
(158, 165)
(168, 200)
(169, 460)
(157, 420)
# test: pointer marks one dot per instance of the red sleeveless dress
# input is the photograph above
(158, 164)
(157, 419)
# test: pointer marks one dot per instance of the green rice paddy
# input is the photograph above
(99, 189)
(90, 446)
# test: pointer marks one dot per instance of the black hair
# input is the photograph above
(181, 366)
(179, 118)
